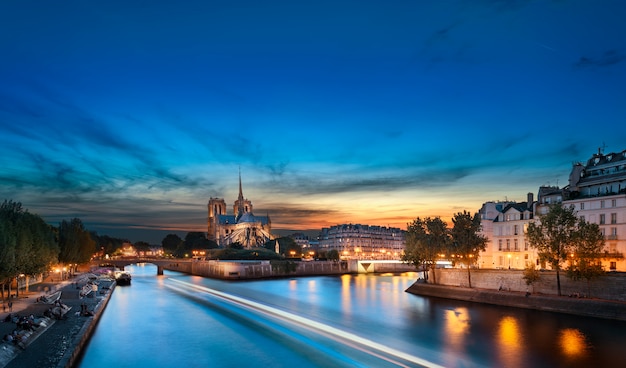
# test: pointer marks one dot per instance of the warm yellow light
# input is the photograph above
(573, 343)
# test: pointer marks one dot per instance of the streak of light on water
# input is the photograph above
(370, 347)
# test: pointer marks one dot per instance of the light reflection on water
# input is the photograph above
(151, 325)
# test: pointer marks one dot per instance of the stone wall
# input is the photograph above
(612, 286)
(258, 269)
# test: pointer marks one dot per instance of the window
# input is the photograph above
(525, 245)
(601, 204)
(515, 228)
(508, 244)
(602, 220)
(613, 203)
(582, 205)
(613, 231)
(614, 218)
(515, 244)
(613, 266)
(500, 244)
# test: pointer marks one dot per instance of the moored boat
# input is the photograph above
(122, 278)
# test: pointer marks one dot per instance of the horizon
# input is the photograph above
(131, 116)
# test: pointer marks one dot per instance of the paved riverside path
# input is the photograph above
(50, 346)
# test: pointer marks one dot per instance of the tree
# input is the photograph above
(531, 274)
(75, 243)
(27, 244)
(171, 243)
(333, 255)
(426, 239)
(584, 262)
(467, 242)
(286, 246)
(560, 233)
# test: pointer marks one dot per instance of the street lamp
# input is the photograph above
(509, 256)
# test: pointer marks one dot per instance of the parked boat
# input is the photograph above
(122, 278)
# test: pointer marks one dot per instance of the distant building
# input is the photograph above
(363, 241)
(242, 226)
(597, 190)
(504, 225)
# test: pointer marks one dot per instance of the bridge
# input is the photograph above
(161, 263)
(241, 270)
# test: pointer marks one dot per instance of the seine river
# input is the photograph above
(184, 321)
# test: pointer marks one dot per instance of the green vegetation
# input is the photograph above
(287, 247)
(561, 236)
(426, 240)
(467, 242)
(28, 245)
(429, 240)
(531, 274)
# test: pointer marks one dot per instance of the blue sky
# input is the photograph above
(131, 114)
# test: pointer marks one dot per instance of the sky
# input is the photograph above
(130, 115)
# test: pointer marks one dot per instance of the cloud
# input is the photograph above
(609, 58)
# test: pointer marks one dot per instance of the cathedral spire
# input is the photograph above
(240, 191)
(240, 201)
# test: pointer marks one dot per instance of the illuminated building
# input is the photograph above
(363, 241)
(242, 226)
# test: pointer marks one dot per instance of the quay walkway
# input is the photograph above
(57, 343)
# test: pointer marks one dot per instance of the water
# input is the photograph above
(344, 321)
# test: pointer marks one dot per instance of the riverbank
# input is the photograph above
(598, 308)
(56, 343)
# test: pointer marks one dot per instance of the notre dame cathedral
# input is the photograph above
(242, 226)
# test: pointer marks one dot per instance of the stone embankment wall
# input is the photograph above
(583, 307)
(259, 269)
(612, 286)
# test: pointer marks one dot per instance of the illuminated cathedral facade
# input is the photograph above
(242, 226)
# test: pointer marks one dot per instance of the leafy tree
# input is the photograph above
(142, 246)
(27, 244)
(554, 236)
(584, 262)
(467, 242)
(171, 243)
(76, 244)
(286, 245)
(333, 255)
(106, 244)
(426, 239)
(531, 274)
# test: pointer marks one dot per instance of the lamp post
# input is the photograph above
(509, 256)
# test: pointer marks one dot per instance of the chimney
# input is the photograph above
(529, 201)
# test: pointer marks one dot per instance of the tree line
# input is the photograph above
(560, 236)
(430, 240)
(29, 246)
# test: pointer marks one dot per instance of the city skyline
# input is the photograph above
(131, 116)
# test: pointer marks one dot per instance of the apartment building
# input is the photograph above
(356, 241)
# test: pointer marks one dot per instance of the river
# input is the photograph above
(176, 320)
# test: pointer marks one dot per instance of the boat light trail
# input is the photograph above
(312, 325)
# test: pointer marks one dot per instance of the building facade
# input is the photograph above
(597, 191)
(242, 226)
(504, 225)
(356, 241)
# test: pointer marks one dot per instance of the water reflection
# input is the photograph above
(144, 318)
(456, 324)
(573, 343)
(509, 342)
